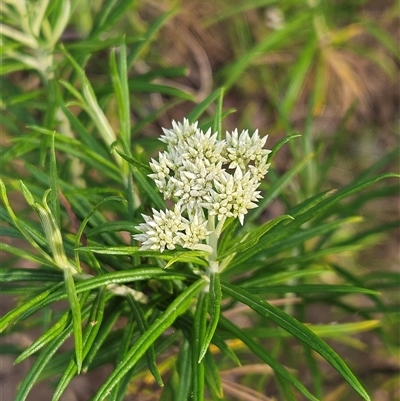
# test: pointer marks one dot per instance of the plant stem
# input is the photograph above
(212, 241)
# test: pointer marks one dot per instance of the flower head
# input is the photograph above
(207, 177)
(168, 229)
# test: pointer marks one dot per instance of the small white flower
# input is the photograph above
(203, 146)
(195, 232)
(234, 195)
(179, 132)
(241, 150)
(162, 230)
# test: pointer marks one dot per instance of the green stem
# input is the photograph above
(212, 241)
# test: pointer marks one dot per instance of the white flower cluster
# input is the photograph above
(206, 177)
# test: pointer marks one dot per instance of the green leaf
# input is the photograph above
(307, 288)
(23, 230)
(76, 316)
(215, 298)
(113, 226)
(340, 329)
(46, 337)
(174, 256)
(110, 12)
(39, 365)
(266, 357)
(143, 326)
(126, 341)
(310, 209)
(89, 336)
(91, 46)
(212, 376)
(58, 292)
(18, 251)
(84, 152)
(177, 307)
(387, 40)
(263, 279)
(114, 308)
(280, 143)
(143, 168)
(9, 275)
(272, 41)
(28, 305)
(238, 8)
(86, 138)
(91, 105)
(53, 196)
(119, 76)
(86, 220)
(218, 115)
(298, 74)
(298, 330)
(184, 371)
(202, 106)
(278, 186)
(251, 239)
(198, 333)
(218, 342)
(148, 188)
(149, 35)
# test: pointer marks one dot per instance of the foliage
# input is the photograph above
(70, 208)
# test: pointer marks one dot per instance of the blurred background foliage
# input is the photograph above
(328, 70)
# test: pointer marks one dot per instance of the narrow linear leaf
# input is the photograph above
(143, 326)
(53, 196)
(184, 372)
(266, 357)
(217, 127)
(89, 335)
(195, 114)
(278, 186)
(76, 316)
(270, 42)
(212, 375)
(318, 206)
(298, 74)
(215, 297)
(177, 307)
(198, 333)
(253, 238)
(111, 314)
(28, 196)
(307, 288)
(46, 337)
(123, 349)
(144, 168)
(218, 342)
(86, 220)
(298, 330)
(280, 143)
(29, 305)
(149, 35)
(86, 285)
(8, 275)
(113, 226)
(39, 365)
(110, 12)
(263, 279)
(175, 256)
